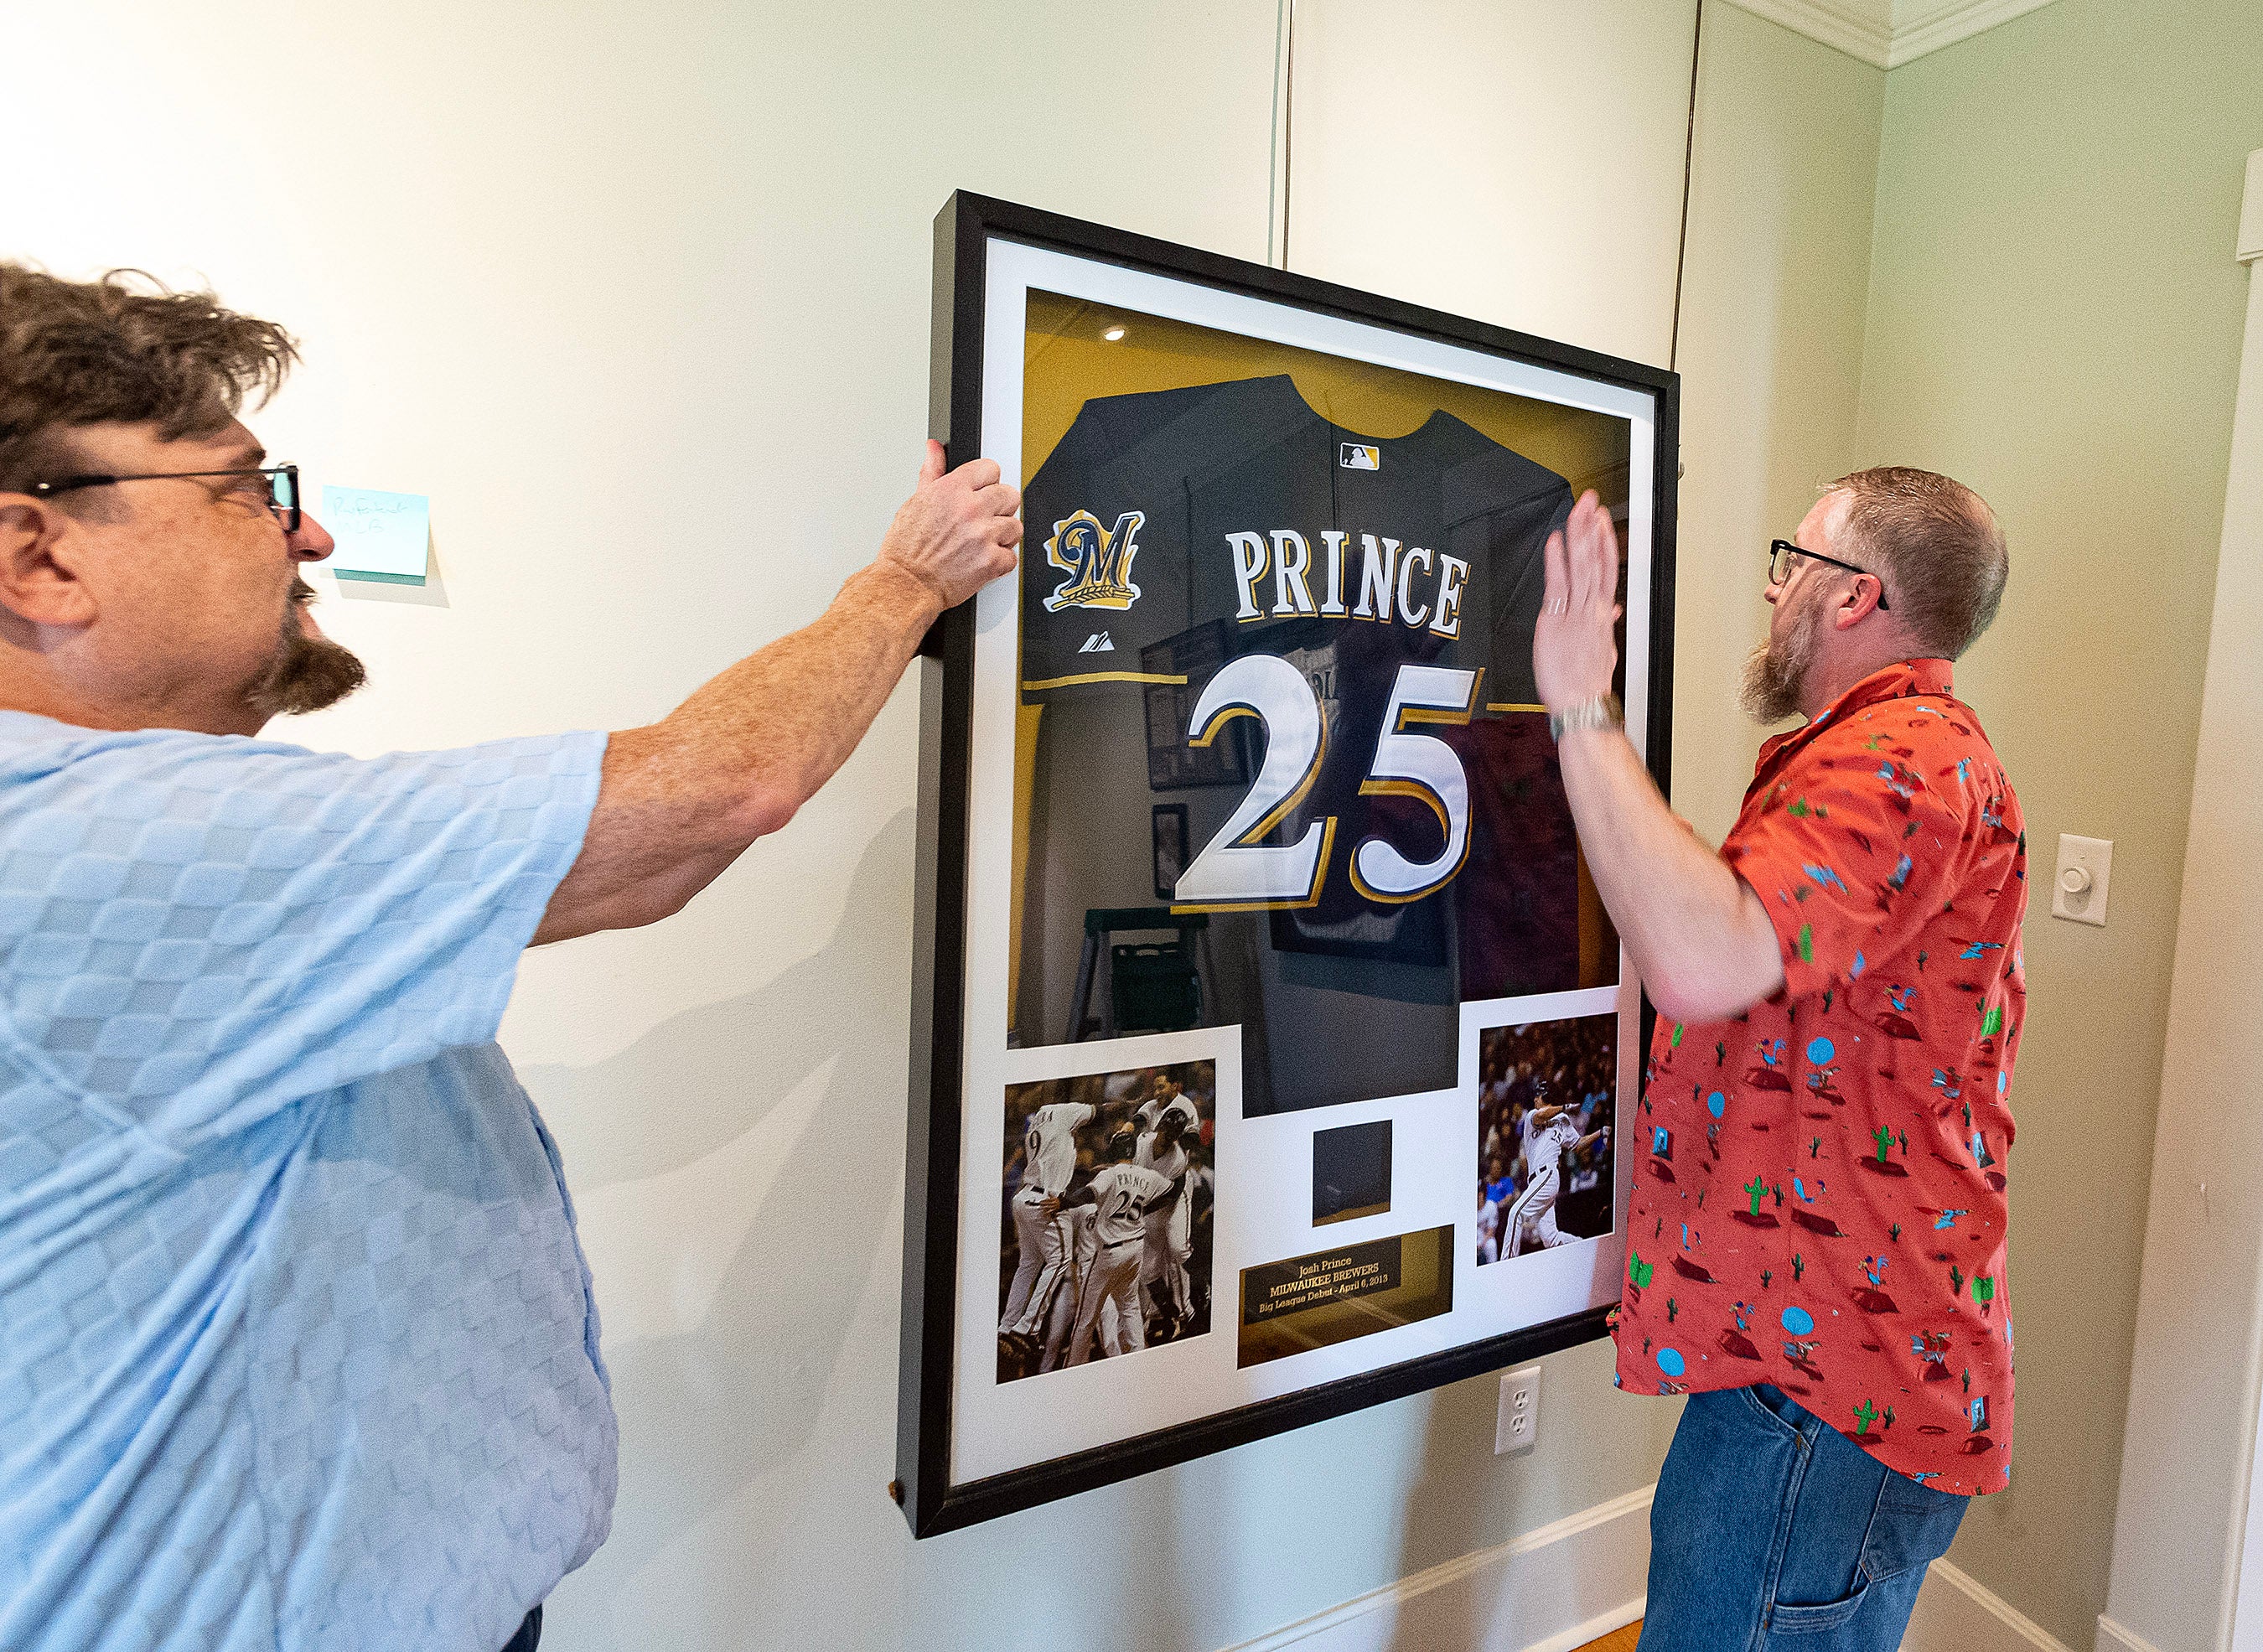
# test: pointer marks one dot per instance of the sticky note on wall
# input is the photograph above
(380, 535)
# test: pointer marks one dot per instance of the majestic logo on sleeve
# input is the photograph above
(1097, 560)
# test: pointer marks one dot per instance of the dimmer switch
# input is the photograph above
(2086, 867)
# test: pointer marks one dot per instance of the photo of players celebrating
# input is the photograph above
(1106, 1246)
(1546, 1095)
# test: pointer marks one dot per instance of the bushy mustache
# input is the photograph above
(307, 672)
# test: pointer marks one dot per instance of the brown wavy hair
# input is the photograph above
(1937, 548)
(124, 349)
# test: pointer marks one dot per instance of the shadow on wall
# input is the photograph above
(708, 1409)
(1444, 1515)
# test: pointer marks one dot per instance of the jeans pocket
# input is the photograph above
(1816, 1620)
(1776, 1420)
(1912, 1526)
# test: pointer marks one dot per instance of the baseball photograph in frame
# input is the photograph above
(1106, 1252)
(1245, 776)
(1547, 1124)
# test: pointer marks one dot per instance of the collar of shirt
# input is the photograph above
(1899, 681)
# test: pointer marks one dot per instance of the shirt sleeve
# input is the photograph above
(1851, 851)
(196, 931)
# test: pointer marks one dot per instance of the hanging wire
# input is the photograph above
(1688, 167)
(1282, 153)
(1284, 94)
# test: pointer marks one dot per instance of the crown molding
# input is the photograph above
(1926, 25)
(1860, 28)
(1887, 33)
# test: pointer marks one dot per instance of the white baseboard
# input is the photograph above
(1565, 1584)
(2112, 1637)
(1956, 1614)
(1571, 1583)
(1550, 1590)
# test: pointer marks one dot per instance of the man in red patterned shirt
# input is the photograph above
(1816, 1227)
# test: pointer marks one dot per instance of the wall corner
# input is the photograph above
(2251, 213)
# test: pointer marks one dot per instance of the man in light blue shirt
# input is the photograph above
(296, 1342)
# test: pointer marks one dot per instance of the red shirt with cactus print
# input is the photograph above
(1819, 1195)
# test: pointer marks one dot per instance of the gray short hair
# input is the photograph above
(1935, 544)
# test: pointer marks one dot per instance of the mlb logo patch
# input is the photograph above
(1355, 457)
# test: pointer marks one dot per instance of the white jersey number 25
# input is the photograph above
(1233, 870)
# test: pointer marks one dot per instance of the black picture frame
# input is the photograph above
(932, 1501)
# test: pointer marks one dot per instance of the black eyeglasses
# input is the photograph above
(1778, 571)
(279, 486)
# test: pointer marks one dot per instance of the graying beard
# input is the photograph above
(308, 674)
(1773, 678)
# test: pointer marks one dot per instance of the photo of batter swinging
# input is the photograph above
(1544, 1116)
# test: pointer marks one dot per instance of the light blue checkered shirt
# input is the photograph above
(297, 1347)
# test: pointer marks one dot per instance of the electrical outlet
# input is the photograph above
(1517, 1426)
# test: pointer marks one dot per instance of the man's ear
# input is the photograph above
(39, 575)
(1861, 601)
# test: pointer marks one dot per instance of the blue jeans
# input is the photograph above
(1773, 1533)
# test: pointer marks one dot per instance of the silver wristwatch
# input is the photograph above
(1601, 711)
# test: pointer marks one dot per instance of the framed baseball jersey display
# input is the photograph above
(1269, 1036)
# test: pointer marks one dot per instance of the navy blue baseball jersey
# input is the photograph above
(1318, 644)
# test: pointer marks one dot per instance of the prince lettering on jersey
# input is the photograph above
(1319, 642)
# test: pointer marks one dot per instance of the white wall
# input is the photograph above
(1519, 164)
(638, 296)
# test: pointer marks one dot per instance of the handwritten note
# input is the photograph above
(380, 535)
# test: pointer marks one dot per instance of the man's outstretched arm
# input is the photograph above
(1699, 937)
(681, 799)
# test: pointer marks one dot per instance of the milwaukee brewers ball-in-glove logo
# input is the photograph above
(1097, 560)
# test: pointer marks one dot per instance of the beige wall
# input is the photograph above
(1445, 153)
(640, 296)
(2054, 317)
(2198, 1323)
(1772, 312)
